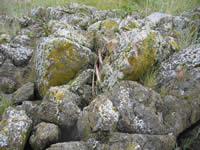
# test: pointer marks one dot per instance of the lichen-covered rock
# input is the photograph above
(26, 92)
(124, 141)
(19, 55)
(7, 85)
(69, 146)
(138, 108)
(4, 38)
(99, 116)
(180, 76)
(58, 60)
(31, 109)
(62, 29)
(43, 135)
(60, 106)
(142, 110)
(2, 59)
(135, 52)
(14, 129)
(81, 85)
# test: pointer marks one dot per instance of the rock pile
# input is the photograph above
(83, 90)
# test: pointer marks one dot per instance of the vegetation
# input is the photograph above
(21, 7)
(3, 104)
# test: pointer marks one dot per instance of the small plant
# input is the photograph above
(3, 104)
(149, 78)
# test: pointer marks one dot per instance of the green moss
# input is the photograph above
(139, 65)
(66, 62)
(109, 24)
(186, 97)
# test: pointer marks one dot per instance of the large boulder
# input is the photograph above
(124, 141)
(14, 129)
(58, 60)
(60, 106)
(99, 116)
(180, 76)
(133, 53)
(43, 135)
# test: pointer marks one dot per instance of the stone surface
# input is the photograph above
(124, 141)
(99, 116)
(60, 106)
(31, 109)
(26, 92)
(180, 76)
(14, 129)
(58, 60)
(68, 146)
(43, 135)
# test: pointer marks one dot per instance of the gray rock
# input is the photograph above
(43, 135)
(99, 116)
(68, 146)
(81, 85)
(19, 55)
(7, 85)
(138, 107)
(180, 76)
(124, 141)
(14, 129)
(58, 60)
(59, 106)
(2, 59)
(26, 92)
(31, 109)
(132, 57)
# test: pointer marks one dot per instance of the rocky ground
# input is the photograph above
(73, 74)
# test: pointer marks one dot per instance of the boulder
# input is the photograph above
(14, 129)
(99, 116)
(180, 76)
(26, 92)
(60, 106)
(135, 52)
(43, 135)
(68, 146)
(58, 60)
(124, 141)
(31, 109)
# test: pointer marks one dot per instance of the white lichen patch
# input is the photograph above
(105, 115)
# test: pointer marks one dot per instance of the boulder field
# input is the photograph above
(73, 78)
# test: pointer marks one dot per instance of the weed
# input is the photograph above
(3, 104)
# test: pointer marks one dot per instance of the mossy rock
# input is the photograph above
(58, 60)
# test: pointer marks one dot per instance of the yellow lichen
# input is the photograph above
(59, 95)
(109, 24)
(174, 44)
(140, 64)
(65, 62)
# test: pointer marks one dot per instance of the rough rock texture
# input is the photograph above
(43, 135)
(124, 141)
(58, 60)
(60, 106)
(180, 76)
(99, 116)
(26, 92)
(68, 146)
(81, 57)
(14, 129)
(31, 109)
